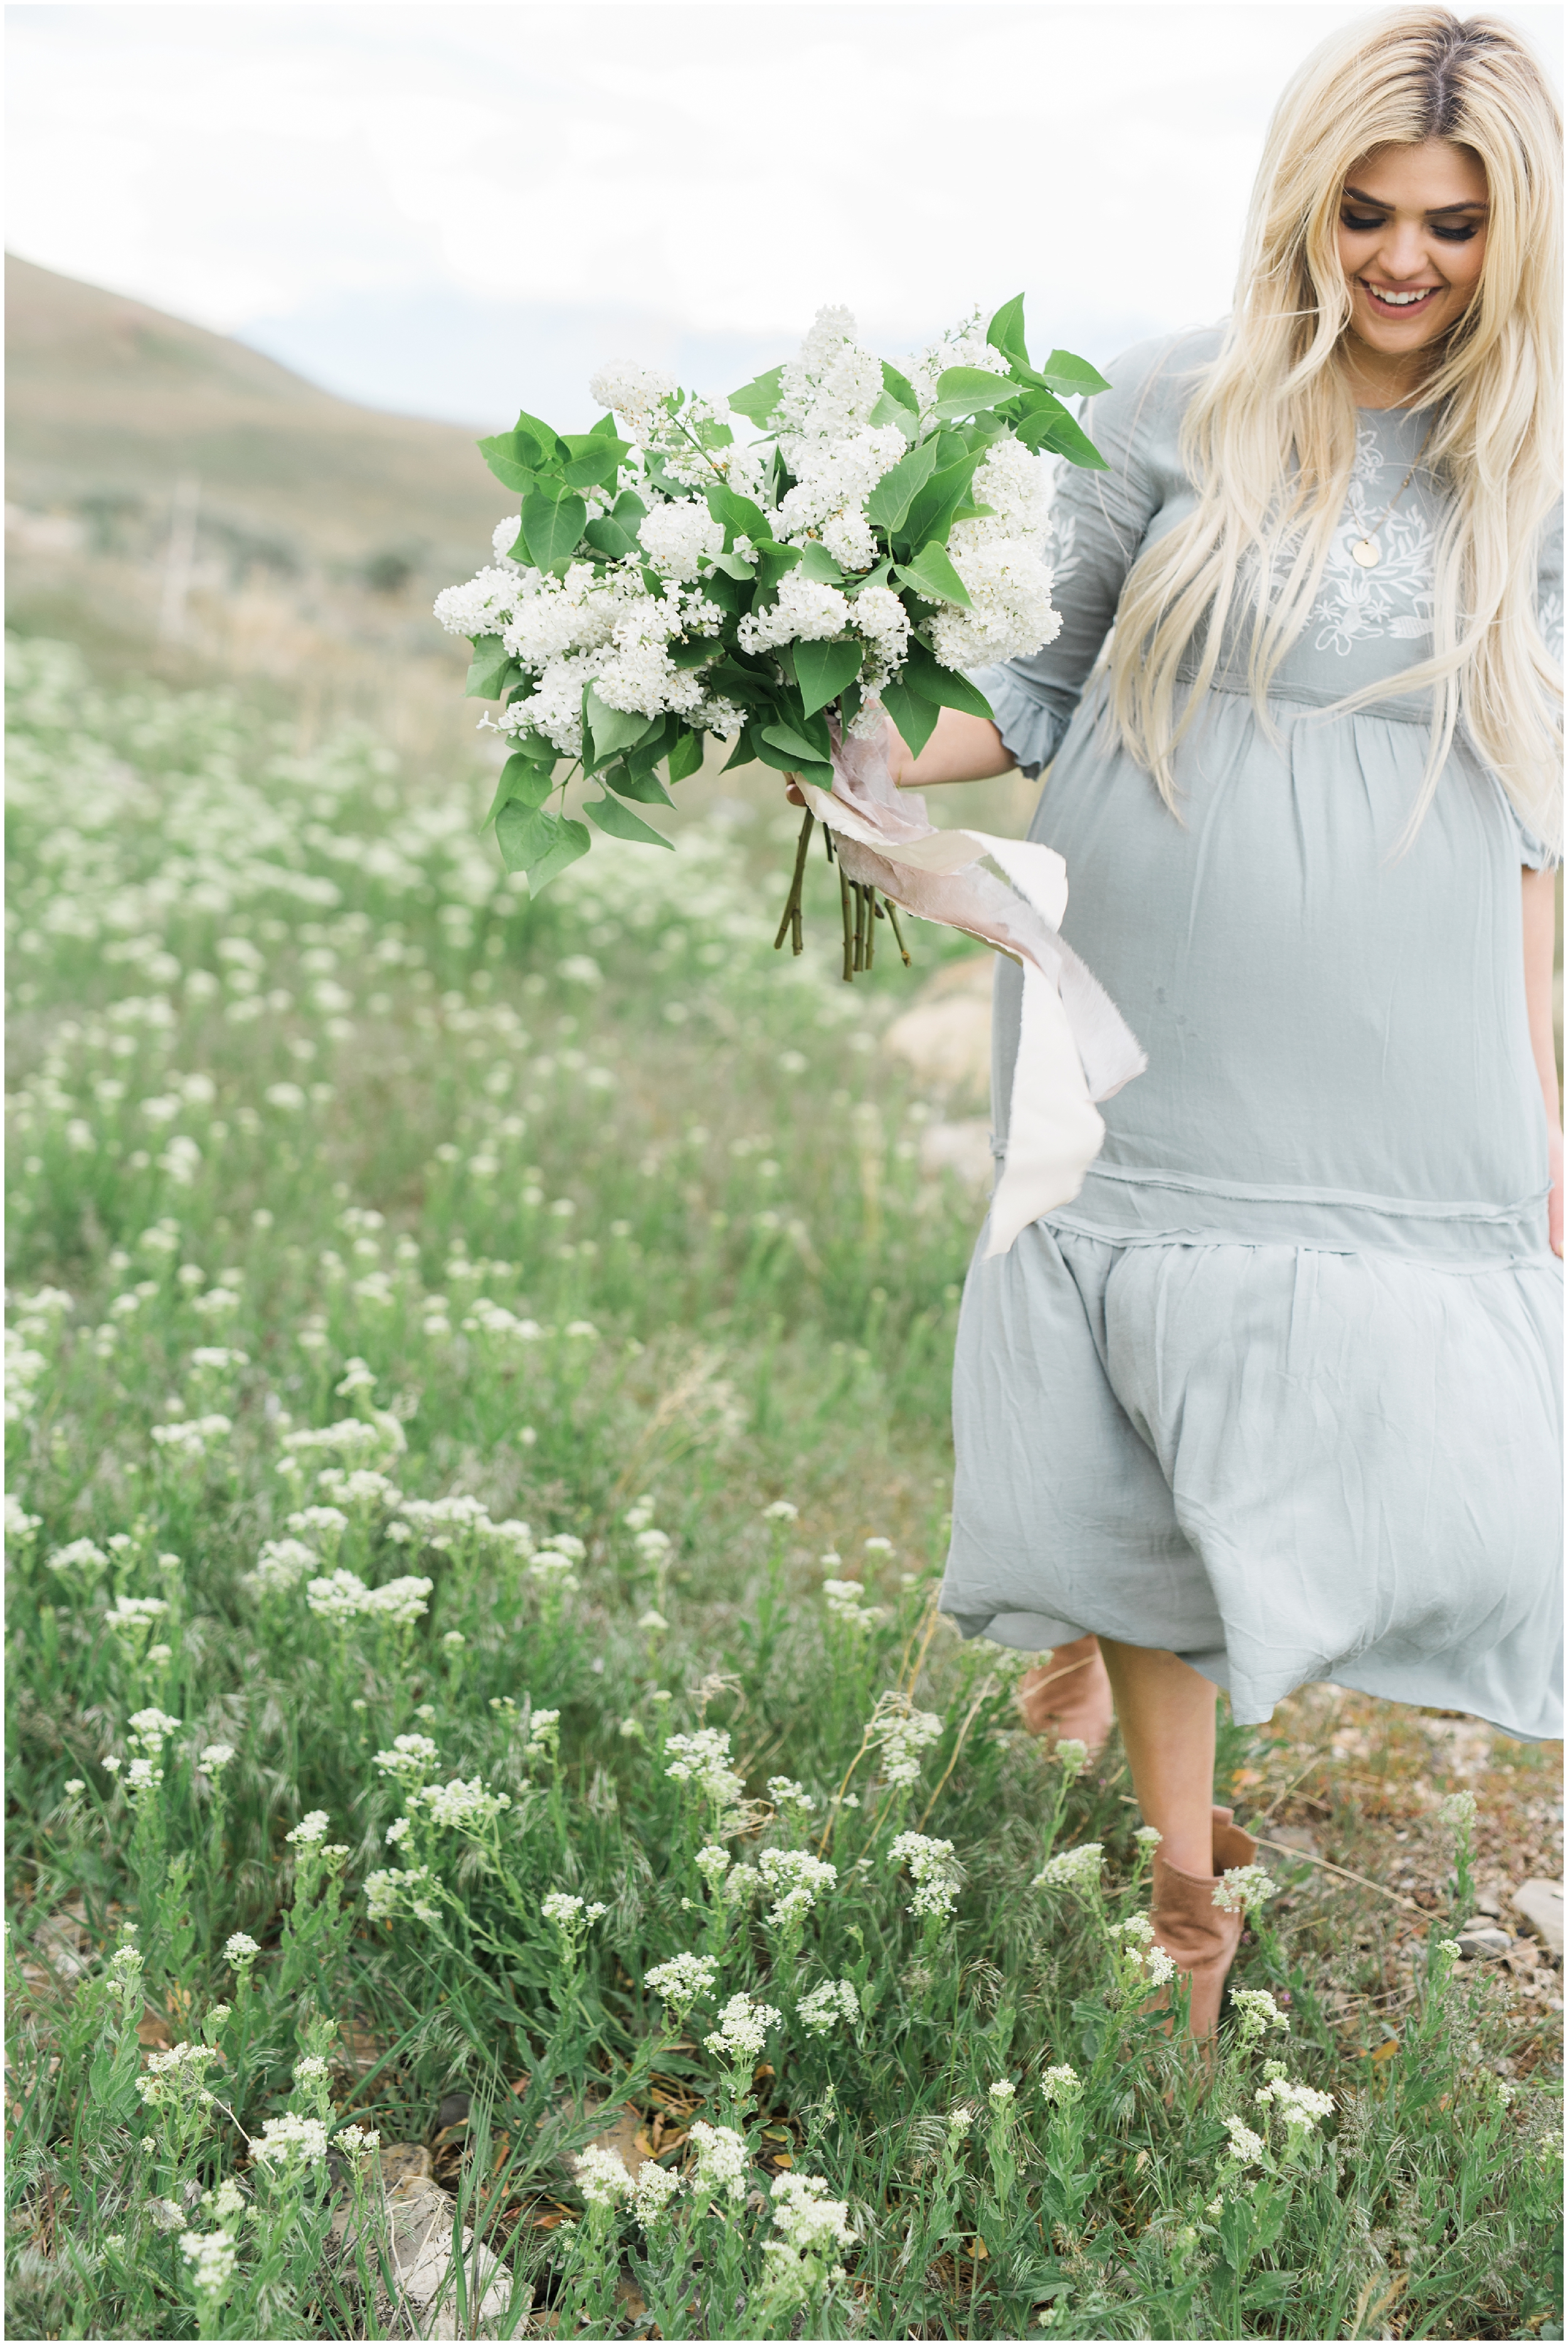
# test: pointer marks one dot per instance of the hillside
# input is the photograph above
(110, 403)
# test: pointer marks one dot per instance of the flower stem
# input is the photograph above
(791, 923)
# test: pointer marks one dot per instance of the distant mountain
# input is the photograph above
(111, 402)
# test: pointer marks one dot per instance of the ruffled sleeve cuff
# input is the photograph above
(1534, 853)
(1031, 728)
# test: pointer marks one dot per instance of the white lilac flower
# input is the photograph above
(601, 2177)
(240, 1948)
(357, 2141)
(902, 1734)
(1457, 1811)
(639, 395)
(654, 1623)
(141, 1775)
(216, 1756)
(289, 2138)
(311, 2068)
(461, 1807)
(553, 1570)
(651, 2193)
(806, 611)
(933, 1871)
(212, 2256)
(227, 2201)
(743, 2029)
(75, 1787)
(721, 2160)
(1257, 2011)
(1010, 589)
(679, 538)
(824, 2005)
(189, 1436)
(1242, 1887)
(1004, 2093)
(308, 1830)
(1246, 2147)
(1074, 1868)
(1060, 2084)
(1071, 1755)
(781, 1510)
(796, 1880)
(703, 1759)
(1147, 1836)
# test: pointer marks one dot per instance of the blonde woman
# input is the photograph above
(1275, 1399)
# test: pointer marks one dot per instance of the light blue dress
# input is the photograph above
(1280, 1391)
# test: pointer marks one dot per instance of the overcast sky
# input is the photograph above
(459, 210)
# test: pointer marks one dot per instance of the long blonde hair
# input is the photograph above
(1269, 435)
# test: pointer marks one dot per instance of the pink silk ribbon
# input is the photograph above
(1074, 1046)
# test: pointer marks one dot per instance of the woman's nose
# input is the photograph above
(1403, 253)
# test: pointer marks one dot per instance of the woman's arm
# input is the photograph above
(963, 748)
(1539, 953)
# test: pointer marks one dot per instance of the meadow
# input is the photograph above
(501, 1841)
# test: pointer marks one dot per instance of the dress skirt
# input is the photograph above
(1282, 1465)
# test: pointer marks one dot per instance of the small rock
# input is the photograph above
(1482, 1940)
(1539, 1904)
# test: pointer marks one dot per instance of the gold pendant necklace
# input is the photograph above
(1366, 551)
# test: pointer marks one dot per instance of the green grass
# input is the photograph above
(593, 1214)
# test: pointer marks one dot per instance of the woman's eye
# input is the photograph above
(1362, 227)
(1455, 235)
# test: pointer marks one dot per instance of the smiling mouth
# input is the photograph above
(1395, 304)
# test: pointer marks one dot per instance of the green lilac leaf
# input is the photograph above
(916, 718)
(621, 823)
(553, 529)
(756, 400)
(931, 574)
(822, 669)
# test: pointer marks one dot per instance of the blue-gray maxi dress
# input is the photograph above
(1279, 1390)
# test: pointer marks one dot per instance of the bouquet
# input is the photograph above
(874, 534)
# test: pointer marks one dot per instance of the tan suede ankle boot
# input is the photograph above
(1200, 1936)
(1070, 1698)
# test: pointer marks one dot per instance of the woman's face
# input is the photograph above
(1412, 236)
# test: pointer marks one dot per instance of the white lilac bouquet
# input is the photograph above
(877, 533)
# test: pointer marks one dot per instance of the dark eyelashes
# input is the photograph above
(1364, 227)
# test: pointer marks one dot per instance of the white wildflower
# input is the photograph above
(684, 1980)
(933, 1869)
(602, 2179)
(1074, 1868)
(1243, 1886)
(743, 2029)
(796, 1880)
(722, 2162)
(824, 2005)
(289, 2138)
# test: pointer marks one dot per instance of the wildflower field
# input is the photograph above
(501, 1843)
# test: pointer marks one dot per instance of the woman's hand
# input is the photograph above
(962, 748)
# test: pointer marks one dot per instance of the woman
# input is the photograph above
(1275, 1399)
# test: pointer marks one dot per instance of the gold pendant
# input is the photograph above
(1365, 552)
